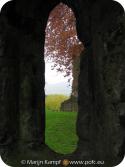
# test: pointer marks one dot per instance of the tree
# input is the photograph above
(62, 44)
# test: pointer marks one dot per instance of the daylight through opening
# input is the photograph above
(62, 61)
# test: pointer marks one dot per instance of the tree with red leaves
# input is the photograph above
(62, 44)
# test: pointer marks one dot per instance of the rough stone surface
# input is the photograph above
(70, 105)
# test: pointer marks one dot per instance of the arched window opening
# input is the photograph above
(62, 60)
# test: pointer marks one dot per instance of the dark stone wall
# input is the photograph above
(9, 72)
(22, 66)
(100, 83)
(100, 124)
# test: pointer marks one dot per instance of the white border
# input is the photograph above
(2, 164)
(2, 2)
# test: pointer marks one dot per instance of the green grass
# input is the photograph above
(61, 131)
(53, 102)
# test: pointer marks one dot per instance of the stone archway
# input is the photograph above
(98, 100)
(62, 57)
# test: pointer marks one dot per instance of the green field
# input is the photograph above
(53, 102)
(60, 126)
(61, 131)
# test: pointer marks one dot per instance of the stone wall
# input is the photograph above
(70, 105)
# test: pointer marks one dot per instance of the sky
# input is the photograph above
(56, 83)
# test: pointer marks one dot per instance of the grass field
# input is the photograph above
(53, 102)
(60, 126)
(61, 131)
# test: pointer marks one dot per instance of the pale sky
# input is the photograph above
(52, 76)
(56, 83)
